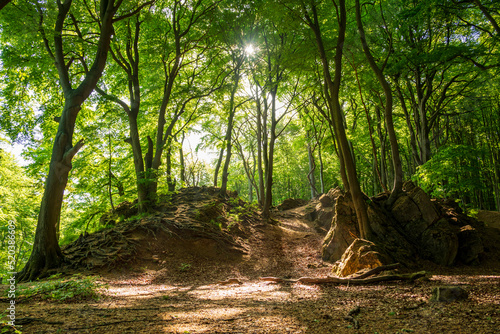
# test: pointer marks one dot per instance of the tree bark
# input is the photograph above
(238, 61)
(46, 252)
(333, 88)
(396, 160)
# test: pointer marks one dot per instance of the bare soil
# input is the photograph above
(174, 286)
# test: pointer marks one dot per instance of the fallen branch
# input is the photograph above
(376, 270)
(353, 281)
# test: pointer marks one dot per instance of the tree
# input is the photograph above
(46, 253)
(332, 88)
(396, 160)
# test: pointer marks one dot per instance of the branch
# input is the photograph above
(132, 13)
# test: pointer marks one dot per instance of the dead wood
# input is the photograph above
(376, 270)
(353, 281)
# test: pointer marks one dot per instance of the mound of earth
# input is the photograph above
(194, 235)
(194, 222)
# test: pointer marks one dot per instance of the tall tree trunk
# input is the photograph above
(333, 88)
(260, 190)
(217, 166)
(396, 160)
(181, 161)
(170, 178)
(312, 167)
(266, 211)
(230, 123)
(46, 252)
(321, 169)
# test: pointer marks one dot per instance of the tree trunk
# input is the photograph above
(333, 88)
(266, 211)
(217, 166)
(46, 252)
(182, 163)
(170, 178)
(321, 170)
(260, 190)
(312, 167)
(230, 123)
(396, 160)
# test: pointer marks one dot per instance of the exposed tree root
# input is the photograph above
(359, 279)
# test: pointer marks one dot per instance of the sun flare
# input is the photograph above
(249, 49)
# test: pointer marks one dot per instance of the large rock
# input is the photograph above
(326, 201)
(470, 245)
(439, 243)
(415, 227)
(343, 231)
(291, 203)
(388, 237)
(325, 209)
(324, 217)
(361, 254)
(420, 223)
(414, 211)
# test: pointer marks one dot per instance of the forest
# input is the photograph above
(130, 104)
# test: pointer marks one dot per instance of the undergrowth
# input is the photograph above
(78, 287)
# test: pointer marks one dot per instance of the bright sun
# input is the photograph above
(249, 50)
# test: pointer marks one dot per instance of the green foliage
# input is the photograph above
(77, 287)
(19, 200)
(185, 266)
(452, 172)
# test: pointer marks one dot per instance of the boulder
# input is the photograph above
(470, 245)
(334, 193)
(386, 235)
(361, 254)
(424, 203)
(343, 231)
(291, 203)
(415, 212)
(325, 209)
(447, 294)
(439, 243)
(326, 201)
(324, 217)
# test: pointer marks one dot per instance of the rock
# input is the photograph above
(334, 193)
(361, 254)
(415, 211)
(425, 205)
(291, 203)
(343, 231)
(446, 294)
(324, 217)
(325, 209)
(470, 245)
(325, 200)
(439, 243)
(388, 237)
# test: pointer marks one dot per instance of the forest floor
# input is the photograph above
(170, 289)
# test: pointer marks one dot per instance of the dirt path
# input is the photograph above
(158, 299)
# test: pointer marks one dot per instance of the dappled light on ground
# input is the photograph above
(194, 294)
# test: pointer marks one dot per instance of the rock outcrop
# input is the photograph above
(415, 227)
(361, 254)
(343, 230)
